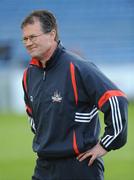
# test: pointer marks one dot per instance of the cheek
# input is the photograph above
(46, 44)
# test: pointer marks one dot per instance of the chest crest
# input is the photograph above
(56, 97)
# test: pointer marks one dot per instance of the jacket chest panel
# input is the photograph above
(49, 93)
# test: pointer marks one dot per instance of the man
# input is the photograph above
(63, 94)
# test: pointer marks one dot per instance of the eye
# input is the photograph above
(25, 38)
(32, 37)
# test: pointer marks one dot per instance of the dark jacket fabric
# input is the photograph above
(63, 101)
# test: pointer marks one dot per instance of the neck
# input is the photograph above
(48, 54)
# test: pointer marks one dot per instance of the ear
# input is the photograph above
(53, 34)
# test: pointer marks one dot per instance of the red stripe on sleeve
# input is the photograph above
(28, 109)
(75, 146)
(25, 80)
(109, 94)
(72, 71)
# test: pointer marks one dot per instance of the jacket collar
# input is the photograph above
(53, 59)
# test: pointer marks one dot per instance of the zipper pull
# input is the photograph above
(44, 75)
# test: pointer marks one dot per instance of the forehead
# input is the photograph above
(30, 29)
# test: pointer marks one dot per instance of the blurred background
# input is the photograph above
(99, 30)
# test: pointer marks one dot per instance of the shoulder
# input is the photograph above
(78, 61)
(82, 65)
(26, 73)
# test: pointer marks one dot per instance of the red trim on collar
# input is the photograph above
(36, 62)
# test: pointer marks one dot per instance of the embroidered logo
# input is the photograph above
(56, 97)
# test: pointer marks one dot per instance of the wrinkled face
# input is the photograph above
(36, 41)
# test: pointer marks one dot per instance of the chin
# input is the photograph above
(34, 55)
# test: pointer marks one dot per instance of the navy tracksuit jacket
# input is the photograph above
(63, 101)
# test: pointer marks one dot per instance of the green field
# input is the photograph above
(17, 159)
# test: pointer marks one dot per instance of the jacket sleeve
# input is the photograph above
(27, 103)
(111, 101)
(115, 118)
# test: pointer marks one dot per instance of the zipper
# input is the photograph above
(44, 75)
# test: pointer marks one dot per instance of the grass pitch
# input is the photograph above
(17, 159)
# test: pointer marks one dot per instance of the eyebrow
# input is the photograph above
(30, 35)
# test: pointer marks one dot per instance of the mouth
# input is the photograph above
(32, 49)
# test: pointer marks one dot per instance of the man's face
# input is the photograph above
(36, 41)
